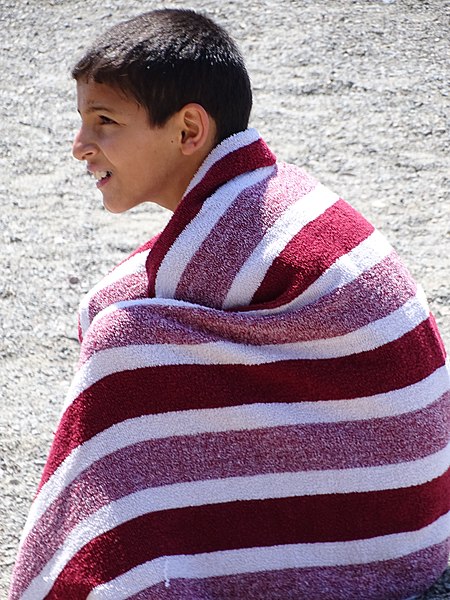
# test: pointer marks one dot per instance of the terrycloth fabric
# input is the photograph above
(260, 410)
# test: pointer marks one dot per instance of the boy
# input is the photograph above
(260, 405)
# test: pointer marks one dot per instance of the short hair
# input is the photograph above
(168, 58)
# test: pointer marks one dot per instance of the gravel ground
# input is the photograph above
(354, 90)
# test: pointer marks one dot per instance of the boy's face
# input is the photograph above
(132, 161)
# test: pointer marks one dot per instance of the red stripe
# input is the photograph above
(183, 387)
(215, 527)
(243, 160)
(313, 250)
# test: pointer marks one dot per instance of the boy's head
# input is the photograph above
(166, 59)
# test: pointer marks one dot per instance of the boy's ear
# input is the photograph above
(198, 129)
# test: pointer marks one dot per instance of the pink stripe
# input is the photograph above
(243, 160)
(148, 324)
(219, 455)
(129, 287)
(328, 317)
(393, 579)
(376, 293)
(223, 254)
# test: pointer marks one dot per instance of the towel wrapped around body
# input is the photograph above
(260, 409)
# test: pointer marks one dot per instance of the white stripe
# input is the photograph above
(306, 209)
(257, 487)
(272, 558)
(238, 418)
(193, 235)
(230, 144)
(346, 269)
(138, 356)
(135, 264)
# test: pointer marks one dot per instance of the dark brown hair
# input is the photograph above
(168, 58)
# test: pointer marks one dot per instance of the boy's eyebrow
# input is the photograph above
(93, 107)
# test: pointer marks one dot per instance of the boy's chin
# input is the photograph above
(115, 207)
(115, 210)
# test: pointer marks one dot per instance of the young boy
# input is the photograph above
(261, 400)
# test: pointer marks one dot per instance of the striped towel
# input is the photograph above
(260, 409)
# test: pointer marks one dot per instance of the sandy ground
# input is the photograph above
(354, 90)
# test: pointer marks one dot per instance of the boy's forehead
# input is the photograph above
(93, 96)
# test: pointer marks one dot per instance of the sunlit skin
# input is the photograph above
(144, 163)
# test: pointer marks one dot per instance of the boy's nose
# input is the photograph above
(82, 149)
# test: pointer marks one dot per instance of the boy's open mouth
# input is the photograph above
(101, 177)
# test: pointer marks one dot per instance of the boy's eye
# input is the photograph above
(105, 120)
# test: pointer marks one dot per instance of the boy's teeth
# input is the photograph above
(100, 174)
